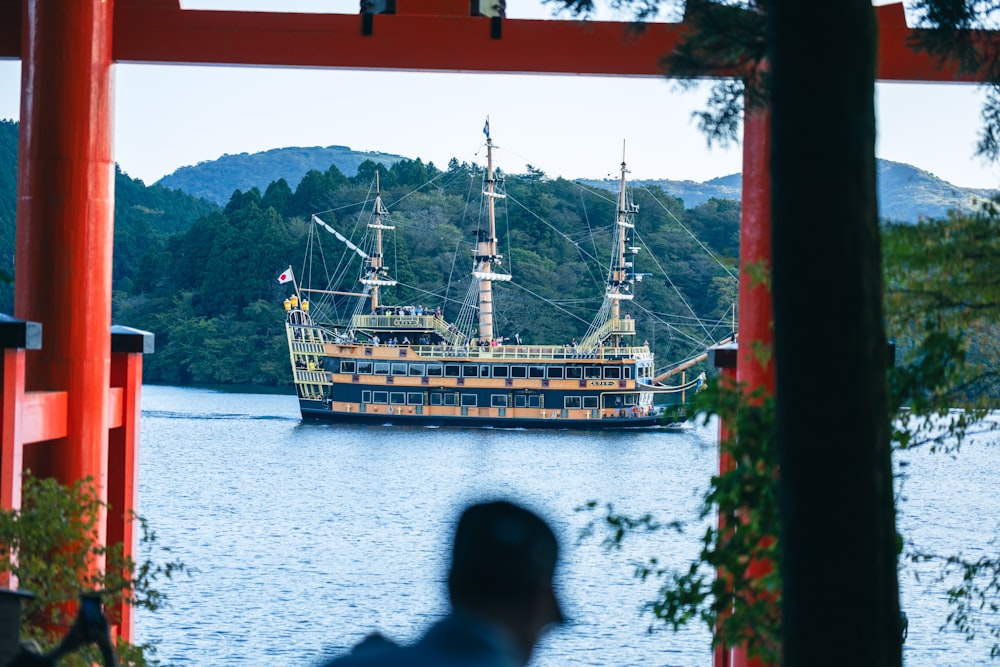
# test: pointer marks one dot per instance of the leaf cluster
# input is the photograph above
(642, 10)
(943, 308)
(52, 548)
(943, 305)
(975, 599)
(963, 31)
(733, 586)
(726, 41)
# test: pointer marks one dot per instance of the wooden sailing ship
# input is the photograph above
(403, 364)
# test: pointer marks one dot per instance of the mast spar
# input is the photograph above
(608, 325)
(374, 276)
(486, 252)
(618, 278)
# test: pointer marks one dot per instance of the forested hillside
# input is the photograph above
(8, 210)
(216, 180)
(144, 217)
(202, 278)
(211, 294)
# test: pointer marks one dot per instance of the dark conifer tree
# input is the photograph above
(279, 197)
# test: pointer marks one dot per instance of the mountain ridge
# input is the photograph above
(905, 193)
(217, 180)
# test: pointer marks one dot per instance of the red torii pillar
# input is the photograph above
(65, 185)
(71, 381)
(65, 222)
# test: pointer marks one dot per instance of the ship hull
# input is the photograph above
(320, 412)
(505, 386)
(406, 364)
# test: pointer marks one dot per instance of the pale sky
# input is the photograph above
(167, 117)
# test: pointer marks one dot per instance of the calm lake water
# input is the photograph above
(304, 538)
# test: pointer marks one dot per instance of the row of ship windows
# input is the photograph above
(486, 370)
(472, 400)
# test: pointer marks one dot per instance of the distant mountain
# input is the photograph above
(905, 193)
(216, 180)
(692, 193)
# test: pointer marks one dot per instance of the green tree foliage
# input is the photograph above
(786, 32)
(203, 278)
(944, 306)
(211, 297)
(279, 197)
(734, 586)
(943, 301)
(51, 546)
(8, 211)
(248, 248)
(146, 217)
(312, 194)
(412, 173)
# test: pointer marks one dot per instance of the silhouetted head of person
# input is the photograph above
(503, 561)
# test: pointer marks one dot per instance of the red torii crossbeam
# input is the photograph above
(69, 394)
(159, 31)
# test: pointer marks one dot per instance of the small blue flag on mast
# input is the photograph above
(486, 128)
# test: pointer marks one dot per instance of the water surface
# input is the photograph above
(306, 537)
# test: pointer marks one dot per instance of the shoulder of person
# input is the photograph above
(373, 651)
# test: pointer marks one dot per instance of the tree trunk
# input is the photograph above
(840, 592)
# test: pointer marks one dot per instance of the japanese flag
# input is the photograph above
(287, 276)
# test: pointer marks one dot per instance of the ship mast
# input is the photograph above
(486, 252)
(608, 325)
(619, 278)
(375, 273)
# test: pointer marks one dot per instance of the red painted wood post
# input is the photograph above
(16, 336)
(756, 317)
(127, 348)
(755, 364)
(12, 446)
(724, 358)
(64, 221)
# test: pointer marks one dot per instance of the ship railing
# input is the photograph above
(309, 338)
(311, 376)
(430, 321)
(501, 352)
(621, 326)
(447, 331)
(393, 321)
